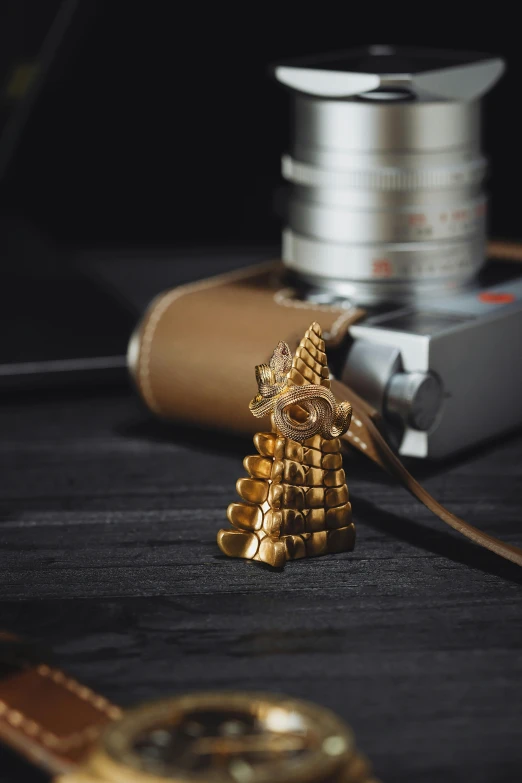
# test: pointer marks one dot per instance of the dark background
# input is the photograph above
(161, 126)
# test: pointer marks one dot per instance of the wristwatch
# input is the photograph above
(217, 737)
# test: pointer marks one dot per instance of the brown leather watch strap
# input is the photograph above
(45, 715)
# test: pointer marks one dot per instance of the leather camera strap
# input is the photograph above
(365, 436)
(45, 715)
(193, 355)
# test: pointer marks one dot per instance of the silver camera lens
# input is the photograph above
(386, 172)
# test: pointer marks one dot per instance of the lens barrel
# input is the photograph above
(386, 199)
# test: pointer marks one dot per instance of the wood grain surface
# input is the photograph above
(108, 522)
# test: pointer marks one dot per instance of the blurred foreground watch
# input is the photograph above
(223, 737)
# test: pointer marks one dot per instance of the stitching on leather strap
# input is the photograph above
(49, 739)
(361, 443)
(85, 694)
(35, 731)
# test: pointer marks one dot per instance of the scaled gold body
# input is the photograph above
(294, 501)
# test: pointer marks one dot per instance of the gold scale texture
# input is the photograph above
(294, 501)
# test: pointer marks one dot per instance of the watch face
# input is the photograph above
(241, 738)
(207, 739)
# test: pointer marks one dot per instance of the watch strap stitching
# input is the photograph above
(34, 730)
(86, 694)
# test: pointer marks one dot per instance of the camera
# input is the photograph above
(385, 235)
(386, 209)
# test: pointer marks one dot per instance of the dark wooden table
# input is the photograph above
(108, 522)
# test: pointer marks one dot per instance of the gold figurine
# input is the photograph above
(295, 499)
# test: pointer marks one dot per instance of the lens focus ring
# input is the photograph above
(385, 199)
(385, 178)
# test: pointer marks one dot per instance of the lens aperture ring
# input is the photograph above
(444, 221)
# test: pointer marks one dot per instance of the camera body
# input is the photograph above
(444, 376)
(386, 210)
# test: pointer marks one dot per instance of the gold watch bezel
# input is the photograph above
(115, 761)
